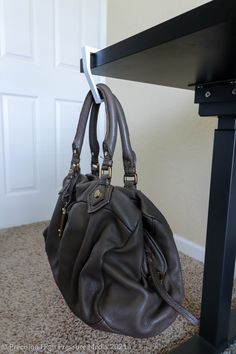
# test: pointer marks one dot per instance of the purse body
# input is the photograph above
(100, 262)
(112, 252)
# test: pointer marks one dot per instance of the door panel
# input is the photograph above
(17, 28)
(20, 149)
(41, 94)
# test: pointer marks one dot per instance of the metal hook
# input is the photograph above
(86, 59)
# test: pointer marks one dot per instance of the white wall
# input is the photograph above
(173, 145)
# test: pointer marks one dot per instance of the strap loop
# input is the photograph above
(159, 285)
(130, 179)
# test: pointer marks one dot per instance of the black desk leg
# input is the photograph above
(221, 237)
(220, 247)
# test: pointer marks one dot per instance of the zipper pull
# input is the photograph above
(62, 223)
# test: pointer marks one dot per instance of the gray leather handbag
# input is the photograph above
(111, 251)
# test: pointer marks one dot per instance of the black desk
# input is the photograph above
(197, 51)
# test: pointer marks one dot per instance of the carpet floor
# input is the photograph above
(35, 318)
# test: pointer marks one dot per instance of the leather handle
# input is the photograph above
(129, 157)
(80, 131)
(93, 141)
(111, 124)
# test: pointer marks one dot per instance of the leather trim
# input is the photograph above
(95, 204)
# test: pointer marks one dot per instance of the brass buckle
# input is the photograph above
(74, 168)
(95, 166)
(133, 179)
(106, 172)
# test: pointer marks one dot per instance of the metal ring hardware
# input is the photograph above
(133, 179)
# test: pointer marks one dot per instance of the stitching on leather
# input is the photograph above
(112, 212)
(88, 197)
(106, 207)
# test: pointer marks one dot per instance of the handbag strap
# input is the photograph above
(159, 285)
(111, 127)
(93, 141)
(129, 157)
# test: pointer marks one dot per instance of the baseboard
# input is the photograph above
(190, 248)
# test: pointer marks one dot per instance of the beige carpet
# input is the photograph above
(35, 319)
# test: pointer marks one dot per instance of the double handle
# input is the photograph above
(111, 127)
(129, 157)
(114, 115)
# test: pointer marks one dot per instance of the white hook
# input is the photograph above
(86, 59)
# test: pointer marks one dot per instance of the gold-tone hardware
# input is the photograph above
(97, 194)
(133, 178)
(74, 168)
(161, 276)
(62, 222)
(106, 172)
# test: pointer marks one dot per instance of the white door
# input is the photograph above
(41, 92)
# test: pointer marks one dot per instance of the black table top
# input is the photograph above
(196, 47)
